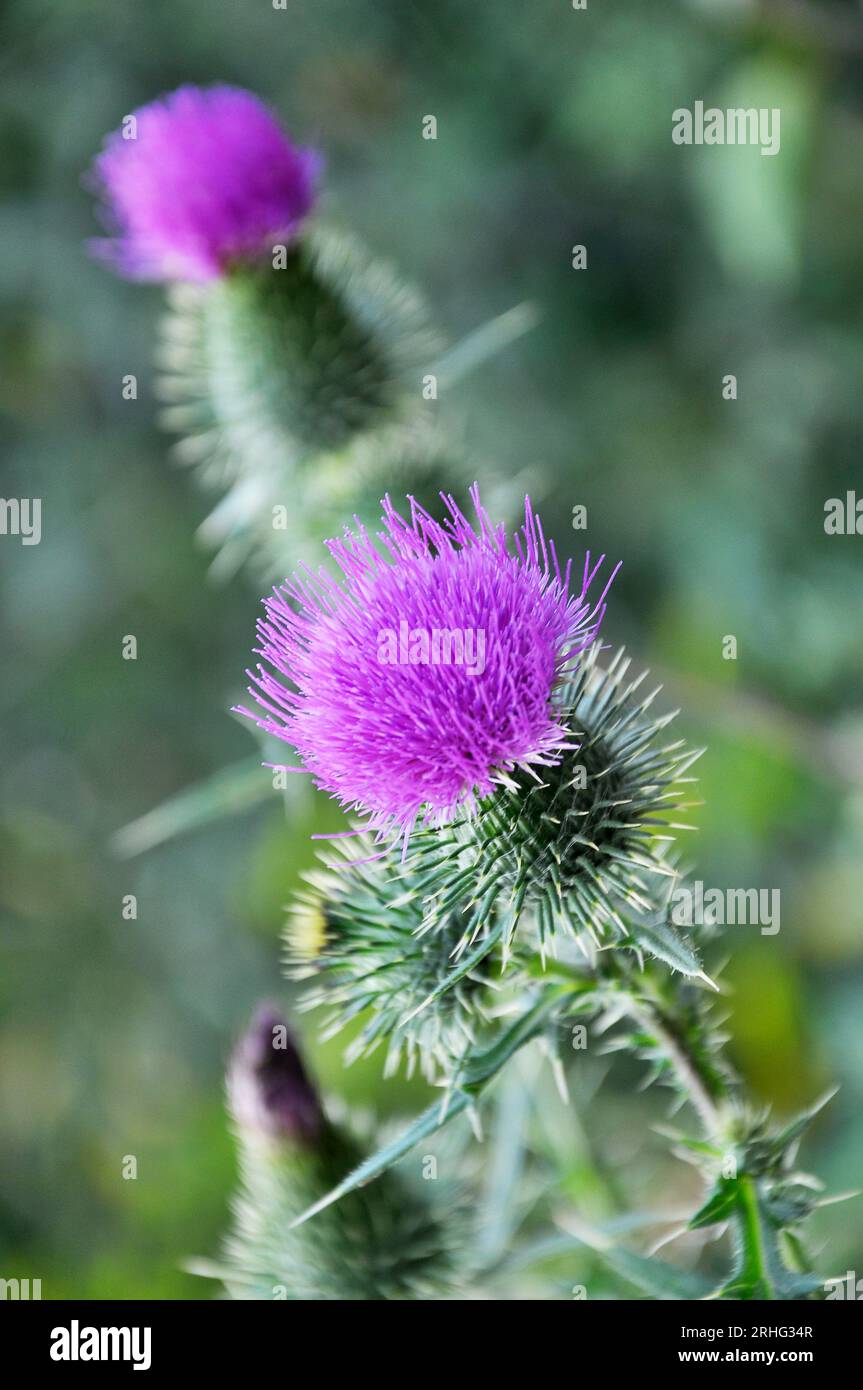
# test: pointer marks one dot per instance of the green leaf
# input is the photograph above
(683, 1141)
(427, 1123)
(499, 1207)
(466, 964)
(487, 1064)
(786, 1137)
(231, 789)
(654, 1277)
(662, 941)
(552, 1246)
(485, 343)
(476, 1074)
(720, 1205)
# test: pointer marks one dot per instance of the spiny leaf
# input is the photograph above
(465, 965)
(656, 1277)
(651, 1276)
(427, 1123)
(499, 1203)
(793, 1131)
(662, 941)
(719, 1206)
(552, 1246)
(485, 342)
(476, 1074)
(696, 1146)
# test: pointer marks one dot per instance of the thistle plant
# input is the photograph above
(293, 363)
(535, 804)
(511, 798)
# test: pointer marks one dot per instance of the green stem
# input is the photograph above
(708, 1089)
(755, 1269)
(668, 1014)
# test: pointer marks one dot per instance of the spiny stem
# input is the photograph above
(709, 1092)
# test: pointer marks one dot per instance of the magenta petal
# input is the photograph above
(197, 179)
(352, 684)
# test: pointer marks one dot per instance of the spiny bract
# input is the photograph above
(302, 378)
(580, 845)
(279, 363)
(357, 932)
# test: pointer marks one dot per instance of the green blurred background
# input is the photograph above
(553, 129)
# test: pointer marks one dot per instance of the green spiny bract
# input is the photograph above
(384, 1241)
(358, 931)
(579, 847)
(267, 530)
(415, 948)
(282, 379)
(301, 359)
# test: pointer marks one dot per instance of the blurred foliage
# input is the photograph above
(553, 129)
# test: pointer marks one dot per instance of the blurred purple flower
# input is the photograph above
(205, 176)
(378, 722)
(268, 1089)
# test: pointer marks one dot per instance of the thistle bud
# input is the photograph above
(268, 1089)
(357, 934)
(391, 1240)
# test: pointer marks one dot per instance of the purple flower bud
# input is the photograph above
(268, 1089)
(198, 179)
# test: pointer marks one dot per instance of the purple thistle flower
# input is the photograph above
(268, 1089)
(209, 178)
(382, 725)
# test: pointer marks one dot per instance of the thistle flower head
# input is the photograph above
(431, 671)
(268, 1089)
(198, 179)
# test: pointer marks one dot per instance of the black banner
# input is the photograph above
(80, 1339)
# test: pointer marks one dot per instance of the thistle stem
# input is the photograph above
(708, 1091)
(682, 1034)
